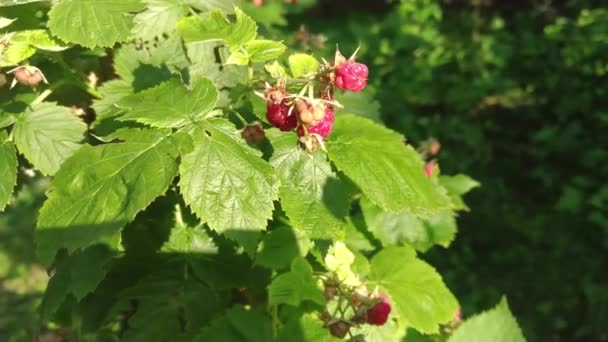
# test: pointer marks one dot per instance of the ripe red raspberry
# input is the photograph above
(323, 128)
(253, 133)
(378, 314)
(278, 116)
(351, 76)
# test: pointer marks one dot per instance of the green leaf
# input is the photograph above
(8, 169)
(362, 104)
(314, 198)
(295, 286)
(4, 22)
(78, 275)
(5, 3)
(111, 93)
(170, 307)
(184, 239)
(264, 50)
(497, 325)
(171, 104)
(159, 17)
(238, 57)
(280, 246)
(275, 69)
(23, 45)
(457, 186)
(215, 25)
(397, 228)
(420, 298)
(47, 135)
(303, 65)
(391, 331)
(227, 6)
(238, 325)
(93, 23)
(225, 182)
(388, 172)
(101, 188)
(307, 328)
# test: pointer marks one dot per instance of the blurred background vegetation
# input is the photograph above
(516, 92)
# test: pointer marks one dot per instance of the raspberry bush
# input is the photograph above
(208, 184)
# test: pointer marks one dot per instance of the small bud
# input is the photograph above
(339, 329)
(330, 292)
(253, 133)
(27, 75)
(434, 147)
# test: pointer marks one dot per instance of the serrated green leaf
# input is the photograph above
(303, 65)
(225, 182)
(457, 186)
(420, 298)
(160, 16)
(77, 275)
(280, 246)
(145, 67)
(388, 172)
(238, 58)
(47, 135)
(215, 25)
(184, 239)
(295, 286)
(227, 6)
(275, 69)
(238, 325)
(307, 328)
(101, 188)
(6, 119)
(391, 331)
(314, 198)
(23, 44)
(93, 23)
(171, 104)
(111, 93)
(5, 3)
(8, 169)
(170, 306)
(362, 104)
(404, 227)
(496, 325)
(4, 22)
(264, 50)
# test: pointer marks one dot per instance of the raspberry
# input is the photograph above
(253, 133)
(323, 128)
(278, 116)
(351, 76)
(434, 147)
(429, 168)
(339, 329)
(28, 75)
(378, 314)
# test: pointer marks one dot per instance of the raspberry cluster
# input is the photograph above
(353, 307)
(312, 117)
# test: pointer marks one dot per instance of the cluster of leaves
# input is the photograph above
(162, 223)
(516, 94)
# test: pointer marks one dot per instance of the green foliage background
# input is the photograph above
(516, 91)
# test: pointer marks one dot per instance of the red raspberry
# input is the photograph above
(378, 314)
(324, 127)
(429, 168)
(351, 76)
(278, 116)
